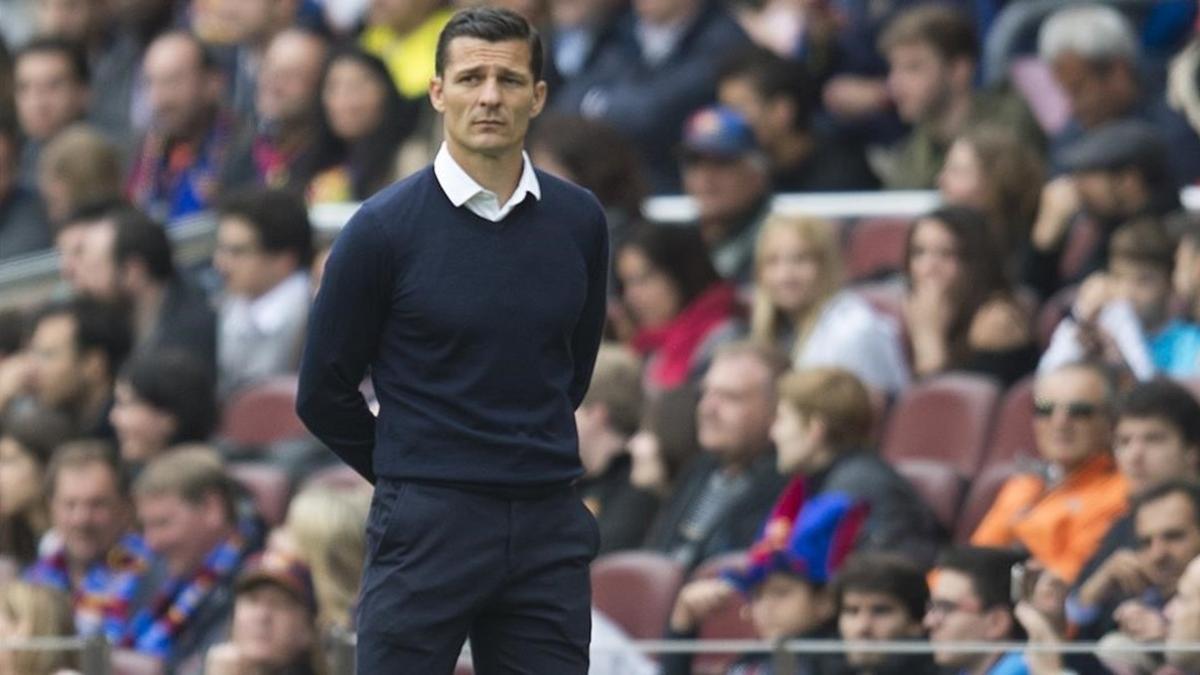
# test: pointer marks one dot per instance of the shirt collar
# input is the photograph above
(460, 187)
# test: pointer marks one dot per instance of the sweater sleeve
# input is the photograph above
(343, 338)
(585, 342)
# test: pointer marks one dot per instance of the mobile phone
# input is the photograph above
(1022, 581)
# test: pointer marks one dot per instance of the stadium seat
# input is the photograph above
(262, 413)
(268, 484)
(940, 486)
(726, 624)
(338, 477)
(1012, 437)
(636, 589)
(1082, 239)
(129, 662)
(875, 247)
(945, 419)
(979, 499)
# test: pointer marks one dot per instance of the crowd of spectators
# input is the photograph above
(749, 368)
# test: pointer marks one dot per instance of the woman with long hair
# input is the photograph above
(28, 437)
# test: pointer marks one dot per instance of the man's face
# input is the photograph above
(740, 95)
(1146, 286)
(96, 274)
(270, 627)
(786, 606)
(957, 614)
(1168, 538)
(178, 531)
(725, 188)
(870, 615)
(1150, 451)
(177, 86)
(48, 96)
(487, 96)
(57, 380)
(736, 408)
(86, 509)
(288, 78)
(70, 19)
(246, 268)
(1071, 421)
(1088, 89)
(918, 80)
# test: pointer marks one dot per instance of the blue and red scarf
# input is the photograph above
(172, 180)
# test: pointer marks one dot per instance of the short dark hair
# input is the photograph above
(772, 77)
(1144, 241)
(1187, 488)
(39, 431)
(71, 51)
(92, 211)
(278, 217)
(1164, 399)
(679, 253)
(945, 28)
(989, 569)
(492, 24)
(98, 325)
(177, 383)
(140, 236)
(888, 574)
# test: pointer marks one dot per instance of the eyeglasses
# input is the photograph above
(939, 607)
(1076, 410)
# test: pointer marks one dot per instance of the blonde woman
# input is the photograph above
(800, 307)
(28, 611)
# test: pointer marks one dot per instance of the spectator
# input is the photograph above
(1183, 616)
(777, 100)
(79, 22)
(681, 309)
(250, 27)
(606, 420)
(960, 311)
(70, 239)
(989, 169)
(96, 555)
(325, 528)
(28, 436)
(361, 126)
(1061, 513)
(264, 248)
(656, 72)
(1094, 54)
(23, 226)
(181, 156)
(725, 172)
(51, 78)
(29, 611)
(77, 170)
(186, 503)
(932, 52)
(1118, 173)
(1128, 592)
(799, 306)
(163, 398)
(579, 32)
(1129, 308)
(820, 434)
(786, 580)
(404, 34)
(665, 443)
(722, 497)
(880, 596)
(278, 150)
(970, 600)
(127, 259)
(274, 629)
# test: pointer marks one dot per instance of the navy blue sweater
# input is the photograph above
(480, 336)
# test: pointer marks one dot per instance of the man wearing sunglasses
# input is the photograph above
(1060, 513)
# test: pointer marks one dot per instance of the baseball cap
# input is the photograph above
(1119, 145)
(283, 570)
(717, 131)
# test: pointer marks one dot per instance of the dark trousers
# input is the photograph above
(444, 564)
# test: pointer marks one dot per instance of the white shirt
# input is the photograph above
(261, 337)
(461, 189)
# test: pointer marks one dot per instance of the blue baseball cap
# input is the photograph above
(718, 131)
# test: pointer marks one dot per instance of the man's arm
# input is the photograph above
(589, 330)
(343, 338)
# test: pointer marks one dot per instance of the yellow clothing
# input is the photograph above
(1061, 526)
(409, 57)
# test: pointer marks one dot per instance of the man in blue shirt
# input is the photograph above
(474, 291)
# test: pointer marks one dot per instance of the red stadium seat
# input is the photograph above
(636, 589)
(268, 484)
(129, 662)
(940, 486)
(338, 477)
(876, 246)
(726, 624)
(979, 499)
(262, 413)
(1012, 437)
(945, 419)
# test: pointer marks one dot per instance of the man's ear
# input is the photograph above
(435, 93)
(999, 623)
(539, 98)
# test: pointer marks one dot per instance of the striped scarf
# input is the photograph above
(172, 180)
(103, 600)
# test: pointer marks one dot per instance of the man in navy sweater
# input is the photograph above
(474, 291)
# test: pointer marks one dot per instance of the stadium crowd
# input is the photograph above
(980, 424)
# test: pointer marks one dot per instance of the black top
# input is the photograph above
(480, 336)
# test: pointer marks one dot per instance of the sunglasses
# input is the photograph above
(1076, 410)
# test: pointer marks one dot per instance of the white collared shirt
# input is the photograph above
(461, 189)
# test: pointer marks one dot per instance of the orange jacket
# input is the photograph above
(1060, 526)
